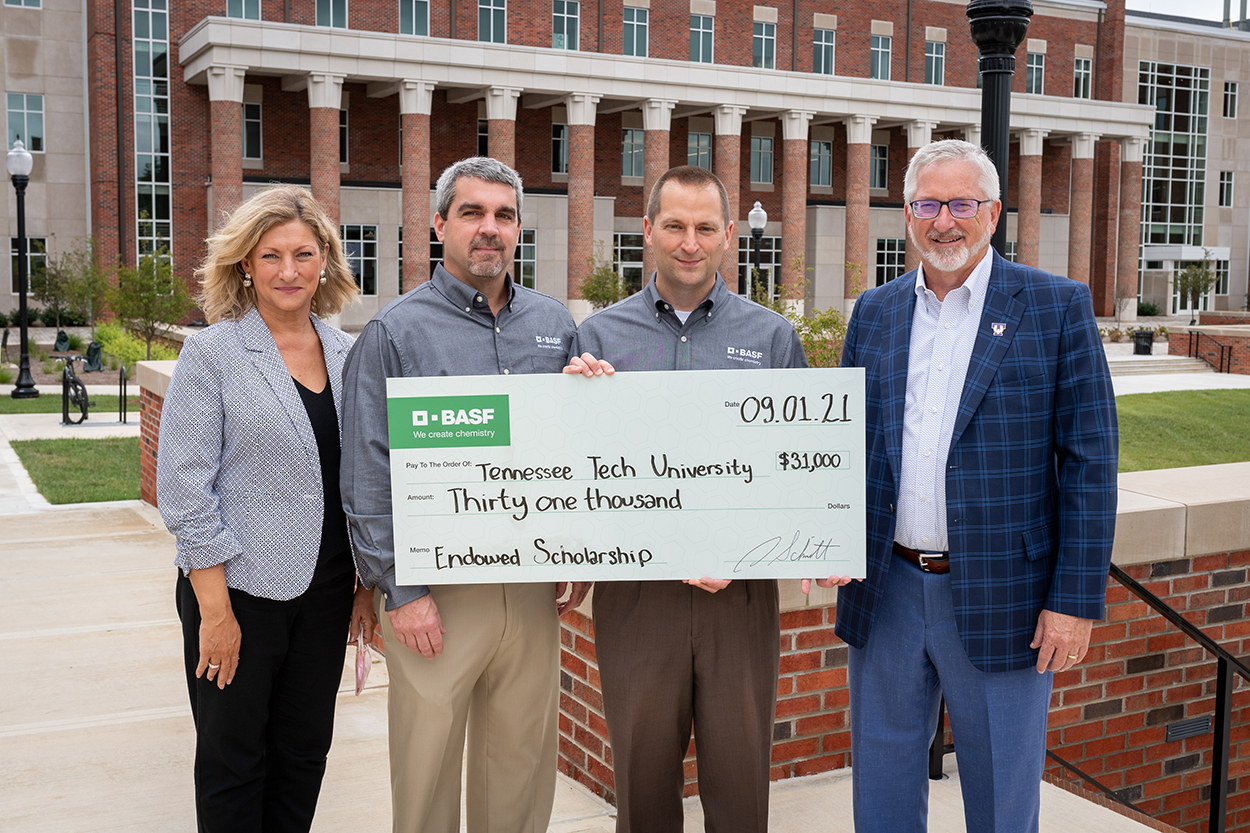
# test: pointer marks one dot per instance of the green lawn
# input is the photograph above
(1183, 428)
(103, 408)
(82, 471)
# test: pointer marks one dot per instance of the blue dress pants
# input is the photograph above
(998, 719)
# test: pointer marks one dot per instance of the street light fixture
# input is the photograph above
(998, 27)
(757, 218)
(20, 163)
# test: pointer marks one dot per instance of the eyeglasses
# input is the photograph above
(960, 209)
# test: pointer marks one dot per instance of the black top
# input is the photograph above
(334, 558)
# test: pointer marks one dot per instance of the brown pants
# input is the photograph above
(499, 675)
(670, 655)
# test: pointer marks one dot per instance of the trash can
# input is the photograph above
(1143, 342)
(94, 360)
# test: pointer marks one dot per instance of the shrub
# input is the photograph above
(1161, 333)
(1148, 308)
(1115, 334)
(75, 342)
(33, 315)
(6, 375)
(126, 348)
(4, 320)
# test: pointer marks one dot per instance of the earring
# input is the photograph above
(323, 277)
(247, 279)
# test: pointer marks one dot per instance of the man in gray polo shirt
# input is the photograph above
(703, 650)
(455, 651)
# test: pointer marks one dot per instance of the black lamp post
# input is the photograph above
(757, 218)
(998, 27)
(20, 163)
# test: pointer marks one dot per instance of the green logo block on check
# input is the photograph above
(449, 421)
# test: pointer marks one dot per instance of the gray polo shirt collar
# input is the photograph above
(466, 297)
(664, 310)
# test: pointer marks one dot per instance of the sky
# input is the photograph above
(1200, 9)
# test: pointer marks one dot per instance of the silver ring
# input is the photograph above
(214, 667)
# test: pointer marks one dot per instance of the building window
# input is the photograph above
(699, 150)
(1010, 249)
(879, 58)
(1174, 166)
(483, 137)
(1230, 99)
(525, 259)
(26, 120)
(559, 148)
(332, 13)
(762, 159)
(1221, 277)
(632, 145)
(1226, 189)
(770, 262)
(564, 17)
(150, 39)
(251, 130)
(764, 46)
(891, 258)
(934, 62)
(879, 167)
(243, 9)
(414, 17)
(635, 32)
(1083, 78)
(399, 289)
(30, 4)
(822, 163)
(822, 51)
(627, 260)
(360, 247)
(436, 251)
(36, 262)
(701, 38)
(491, 19)
(343, 137)
(1035, 73)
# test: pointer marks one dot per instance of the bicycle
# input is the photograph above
(73, 391)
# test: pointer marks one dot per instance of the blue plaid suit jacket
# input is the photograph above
(1031, 472)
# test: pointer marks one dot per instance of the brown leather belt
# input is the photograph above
(929, 562)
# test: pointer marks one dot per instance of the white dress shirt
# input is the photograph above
(942, 337)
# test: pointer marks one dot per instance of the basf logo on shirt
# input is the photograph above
(745, 356)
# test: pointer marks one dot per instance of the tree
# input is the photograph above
(603, 285)
(82, 284)
(821, 333)
(44, 283)
(149, 300)
(1194, 281)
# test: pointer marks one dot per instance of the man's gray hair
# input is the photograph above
(952, 150)
(475, 167)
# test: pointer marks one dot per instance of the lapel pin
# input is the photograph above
(998, 329)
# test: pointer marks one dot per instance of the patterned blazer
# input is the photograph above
(1031, 472)
(238, 473)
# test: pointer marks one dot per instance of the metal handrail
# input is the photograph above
(121, 395)
(1225, 350)
(1226, 666)
(1089, 779)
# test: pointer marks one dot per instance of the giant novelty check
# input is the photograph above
(717, 473)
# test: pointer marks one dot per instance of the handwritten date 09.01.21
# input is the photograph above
(793, 409)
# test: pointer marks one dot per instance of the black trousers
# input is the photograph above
(261, 743)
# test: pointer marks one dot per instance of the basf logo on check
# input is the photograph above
(449, 421)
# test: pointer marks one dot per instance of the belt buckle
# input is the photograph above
(925, 558)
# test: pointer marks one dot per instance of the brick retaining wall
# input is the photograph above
(1108, 716)
(1236, 336)
(149, 438)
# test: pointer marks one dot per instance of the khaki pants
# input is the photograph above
(499, 675)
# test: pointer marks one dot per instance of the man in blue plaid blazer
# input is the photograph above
(991, 490)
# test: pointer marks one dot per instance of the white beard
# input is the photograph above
(950, 260)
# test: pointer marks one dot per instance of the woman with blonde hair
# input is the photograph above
(248, 483)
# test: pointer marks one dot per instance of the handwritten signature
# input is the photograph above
(774, 550)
